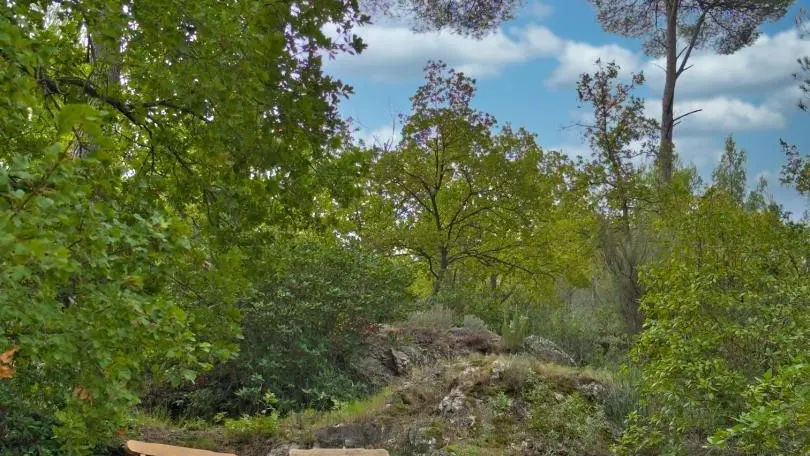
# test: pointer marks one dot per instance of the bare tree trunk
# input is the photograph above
(666, 156)
(444, 264)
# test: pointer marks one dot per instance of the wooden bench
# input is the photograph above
(137, 448)
(331, 452)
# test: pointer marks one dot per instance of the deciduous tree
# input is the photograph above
(453, 192)
(143, 146)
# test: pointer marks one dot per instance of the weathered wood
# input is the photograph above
(137, 448)
(335, 452)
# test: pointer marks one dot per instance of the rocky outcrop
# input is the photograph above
(442, 393)
(350, 435)
(394, 352)
(546, 350)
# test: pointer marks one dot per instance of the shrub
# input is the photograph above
(516, 373)
(436, 317)
(727, 331)
(474, 323)
(566, 422)
(515, 330)
(247, 427)
(313, 304)
(24, 433)
(622, 396)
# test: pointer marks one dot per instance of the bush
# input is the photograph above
(26, 433)
(515, 330)
(727, 335)
(313, 304)
(622, 396)
(436, 317)
(474, 323)
(248, 427)
(566, 423)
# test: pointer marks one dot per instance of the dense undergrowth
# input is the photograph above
(194, 248)
(475, 405)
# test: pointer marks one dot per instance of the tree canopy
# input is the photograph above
(724, 26)
(454, 192)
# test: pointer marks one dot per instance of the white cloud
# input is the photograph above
(395, 53)
(767, 64)
(721, 115)
(785, 99)
(577, 58)
(539, 41)
(703, 151)
(384, 135)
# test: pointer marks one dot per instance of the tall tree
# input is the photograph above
(619, 136)
(453, 192)
(142, 145)
(722, 25)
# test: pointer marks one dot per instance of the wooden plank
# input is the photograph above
(336, 452)
(137, 448)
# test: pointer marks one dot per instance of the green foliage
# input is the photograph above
(729, 175)
(726, 335)
(133, 178)
(24, 433)
(515, 329)
(247, 427)
(776, 416)
(465, 201)
(92, 268)
(436, 317)
(314, 302)
(565, 424)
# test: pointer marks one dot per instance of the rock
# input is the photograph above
(283, 450)
(401, 361)
(592, 390)
(474, 341)
(392, 353)
(452, 403)
(422, 440)
(349, 435)
(546, 350)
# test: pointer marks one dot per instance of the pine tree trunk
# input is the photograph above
(666, 156)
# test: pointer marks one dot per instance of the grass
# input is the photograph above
(437, 317)
(300, 425)
(472, 450)
(356, 410)
(251, 427)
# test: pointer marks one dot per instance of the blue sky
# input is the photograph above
(527, 71)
